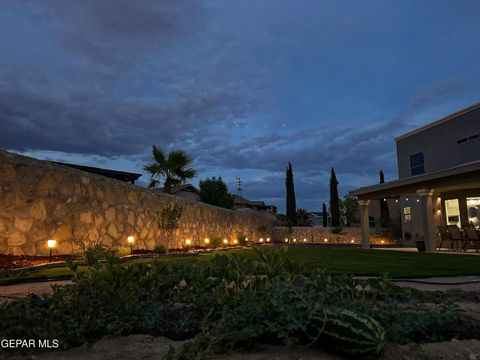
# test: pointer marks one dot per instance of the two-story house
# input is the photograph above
(439, 178)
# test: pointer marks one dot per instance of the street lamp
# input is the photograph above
(51, 244)
(131, 240)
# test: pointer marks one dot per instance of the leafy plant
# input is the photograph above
(337, 231)
(170, 221)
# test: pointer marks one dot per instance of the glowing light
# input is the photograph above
(352, 241)
(326, 240)
(304, 240)
(261, 240)
(207, 241)
(396, 200)
(382, 241)
(268, 239)
(384, 199)
(406, 199)
(225, 241)
(246, 239)
(51, 243)
(235, 241)
(286, 240)
(131, 239)
(188, 241)
(294, 240)
(418, 200)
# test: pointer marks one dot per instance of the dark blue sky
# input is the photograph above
(243, 86)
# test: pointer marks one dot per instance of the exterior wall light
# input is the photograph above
(51, 244)
(131, 240)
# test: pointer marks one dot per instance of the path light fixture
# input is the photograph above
(51, 244)
(326, 240)
(286, 240)
(246, 239)
(225, 241)
(294, 240)
(131, 240)
(235, 241)
(188, 242)
(261, 240)
(268, 239)
(304, 240)
(206, 241)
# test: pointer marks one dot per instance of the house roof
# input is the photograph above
(439, 121)
(239, 200)
(184, 187)
(456, 176)
(113, 174)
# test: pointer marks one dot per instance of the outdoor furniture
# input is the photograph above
(444, 236)
(471, 235)
(456, 237)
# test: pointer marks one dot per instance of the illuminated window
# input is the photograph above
(473, 207)
(452, 212)
(407, 213)
(417, 164)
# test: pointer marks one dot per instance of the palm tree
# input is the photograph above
(172, 168)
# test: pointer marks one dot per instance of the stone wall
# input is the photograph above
(351, 235)
(40, 200)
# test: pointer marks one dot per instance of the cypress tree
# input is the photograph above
(334, 201)
(291, 214)
(384, 212)
(324, 214)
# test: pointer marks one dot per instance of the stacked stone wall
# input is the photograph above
(40, 200)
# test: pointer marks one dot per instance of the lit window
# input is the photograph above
(407, 213)
(417, 164)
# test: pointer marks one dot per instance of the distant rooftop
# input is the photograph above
(113, 174)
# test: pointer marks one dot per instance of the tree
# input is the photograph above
(214, 191)
(170, 221)
(384, 212)
(325, 215)
(349, 209)
(171, 169)
(303, 218)
(291, 203)
(334, 200)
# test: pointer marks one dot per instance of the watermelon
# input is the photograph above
(352, 333)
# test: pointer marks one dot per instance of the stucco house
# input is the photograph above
(439, 178)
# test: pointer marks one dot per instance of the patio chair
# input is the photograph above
(471, 235)
(444, 236)
(455, 236)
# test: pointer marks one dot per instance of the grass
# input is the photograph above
(353, 261)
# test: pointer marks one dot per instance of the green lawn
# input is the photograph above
(353, 261)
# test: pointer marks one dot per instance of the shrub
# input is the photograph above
(228, 303)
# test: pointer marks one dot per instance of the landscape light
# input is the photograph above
(384, 199)
(326, 240)
(261, 240)
(286, 240)
(352, 241)
(207, 240)
(131, 240)
(225, 241)
(382, 241)
(268, 239)
(246, 239)
(304, 240)
(235, 241)
(418, 200)
(294, 240)
(188, 242)
(51, 244)
(396, 200)
(406, 199)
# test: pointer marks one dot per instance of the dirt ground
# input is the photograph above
(147, 347)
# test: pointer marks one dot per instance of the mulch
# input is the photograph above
(19, 261)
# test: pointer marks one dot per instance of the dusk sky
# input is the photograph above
(242, 86)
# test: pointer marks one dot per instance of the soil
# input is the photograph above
(20, 261)
(147, 347)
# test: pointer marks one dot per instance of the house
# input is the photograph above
(439, 178)
(186, 191)
(240, 202)
(113, 174)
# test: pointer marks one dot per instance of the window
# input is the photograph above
(407, 213)
(417, 164)
(452, 212)
(468, 139)
(473, 206)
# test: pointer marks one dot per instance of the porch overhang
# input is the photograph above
(462, 177)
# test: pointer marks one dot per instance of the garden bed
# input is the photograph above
(21, 261)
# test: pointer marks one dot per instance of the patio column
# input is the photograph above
(364, 220)
(426, 214)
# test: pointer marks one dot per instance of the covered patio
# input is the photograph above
(447, 197)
